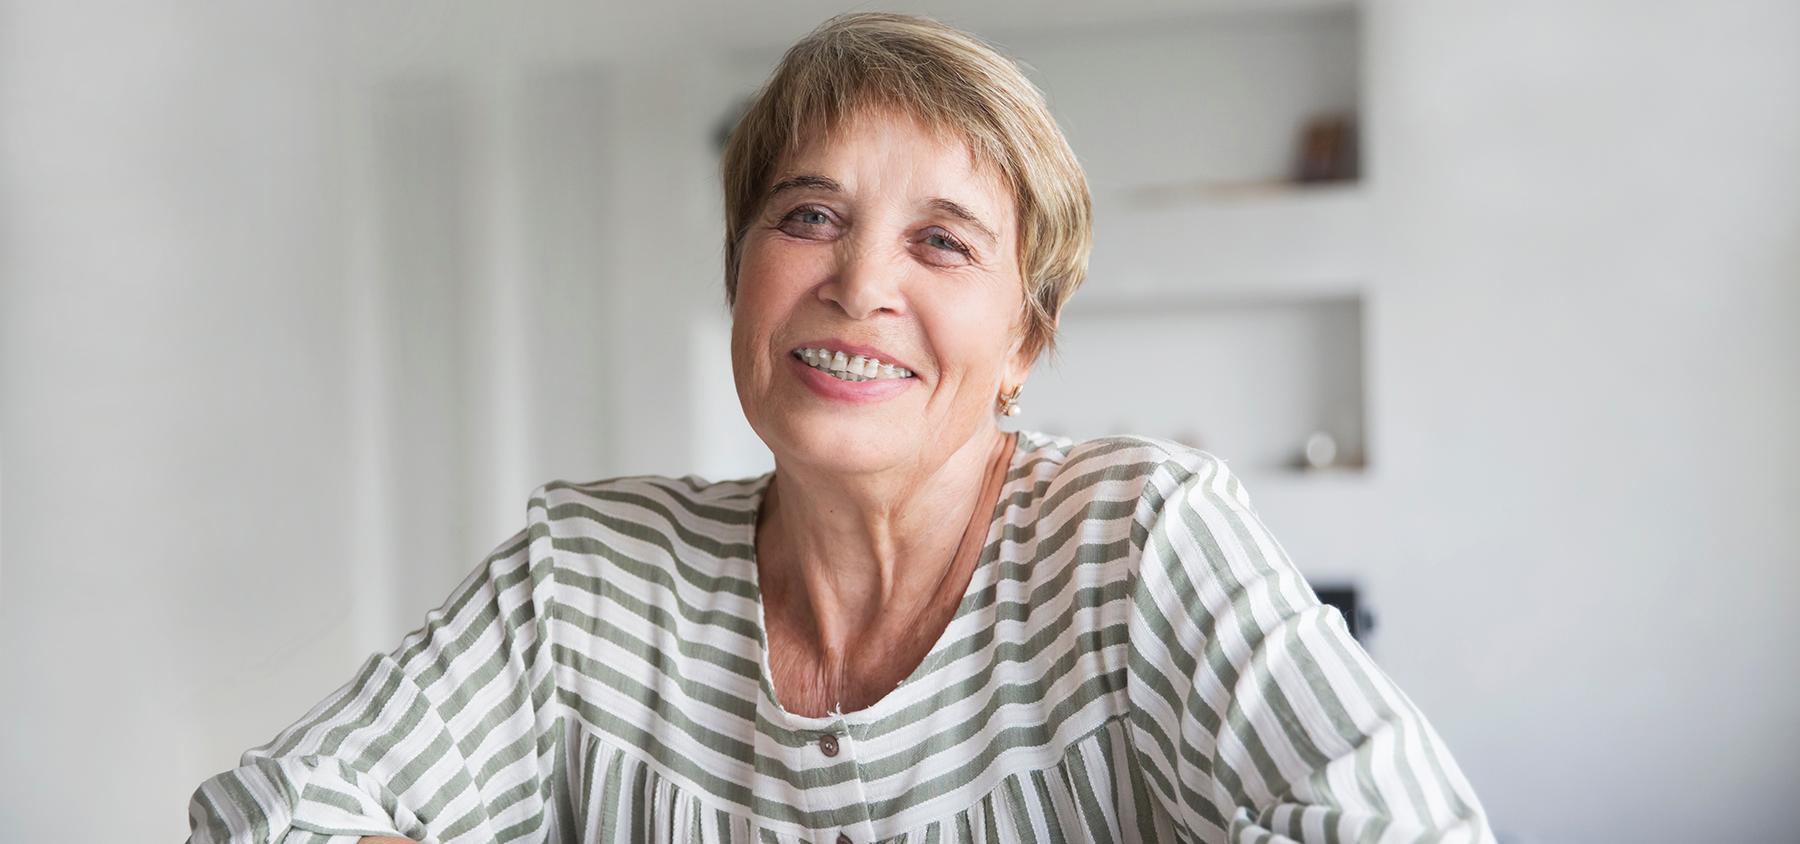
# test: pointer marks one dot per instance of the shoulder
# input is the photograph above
(658, 529)
(657, 501)
(1146, 471)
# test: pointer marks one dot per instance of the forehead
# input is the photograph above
(898, 152)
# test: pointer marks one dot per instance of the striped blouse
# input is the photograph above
(1135, 659)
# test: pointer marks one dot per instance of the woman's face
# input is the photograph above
(883, 240)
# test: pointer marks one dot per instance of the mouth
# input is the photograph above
(850, 367)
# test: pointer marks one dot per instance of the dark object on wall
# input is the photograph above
(723, 129)
(1328, 150)
(1356, 616)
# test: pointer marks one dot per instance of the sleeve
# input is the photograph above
(442, 740)
(1254, 716)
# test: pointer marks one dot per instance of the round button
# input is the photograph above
(843, 839)
(828, 746)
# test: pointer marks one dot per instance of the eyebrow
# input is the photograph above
(938, 203)
(963, 214)
(803, 183)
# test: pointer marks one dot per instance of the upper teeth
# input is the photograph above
(852, 367)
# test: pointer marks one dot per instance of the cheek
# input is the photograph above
(752, 329)
(975, 335)
(773, 268)
(769, 289)
(758, 287)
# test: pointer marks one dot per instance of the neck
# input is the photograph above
(850, 557)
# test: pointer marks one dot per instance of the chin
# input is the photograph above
(839, 446)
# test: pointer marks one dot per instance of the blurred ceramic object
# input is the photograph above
(1321, 450)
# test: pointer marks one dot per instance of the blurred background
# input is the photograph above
(1494, 306)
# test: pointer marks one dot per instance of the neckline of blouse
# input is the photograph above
(1025, 443)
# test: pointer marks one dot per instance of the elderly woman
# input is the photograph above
(917, 628)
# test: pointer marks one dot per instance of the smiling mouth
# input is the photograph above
(850, 367)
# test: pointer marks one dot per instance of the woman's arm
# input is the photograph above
(439, 740)
(1254, 713)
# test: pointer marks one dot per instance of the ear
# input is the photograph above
(1018, 366)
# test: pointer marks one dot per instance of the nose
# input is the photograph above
(865, 282)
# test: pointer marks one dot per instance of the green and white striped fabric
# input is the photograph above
(1135, 660)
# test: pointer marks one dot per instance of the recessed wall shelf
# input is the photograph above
(1163, 194)
(1248, 377)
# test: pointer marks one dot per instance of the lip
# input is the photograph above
(853, 392)
(852, 350)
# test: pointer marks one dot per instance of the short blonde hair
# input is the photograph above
(947, 80)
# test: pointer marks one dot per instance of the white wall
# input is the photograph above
(173, 441)
(1588, 383)
(1581, 359)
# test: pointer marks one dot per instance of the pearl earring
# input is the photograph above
(1009, 404)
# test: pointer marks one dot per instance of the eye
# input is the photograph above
(808, 221)
(942, 240)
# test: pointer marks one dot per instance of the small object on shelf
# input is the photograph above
(1320, 451)
(1328, 150)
